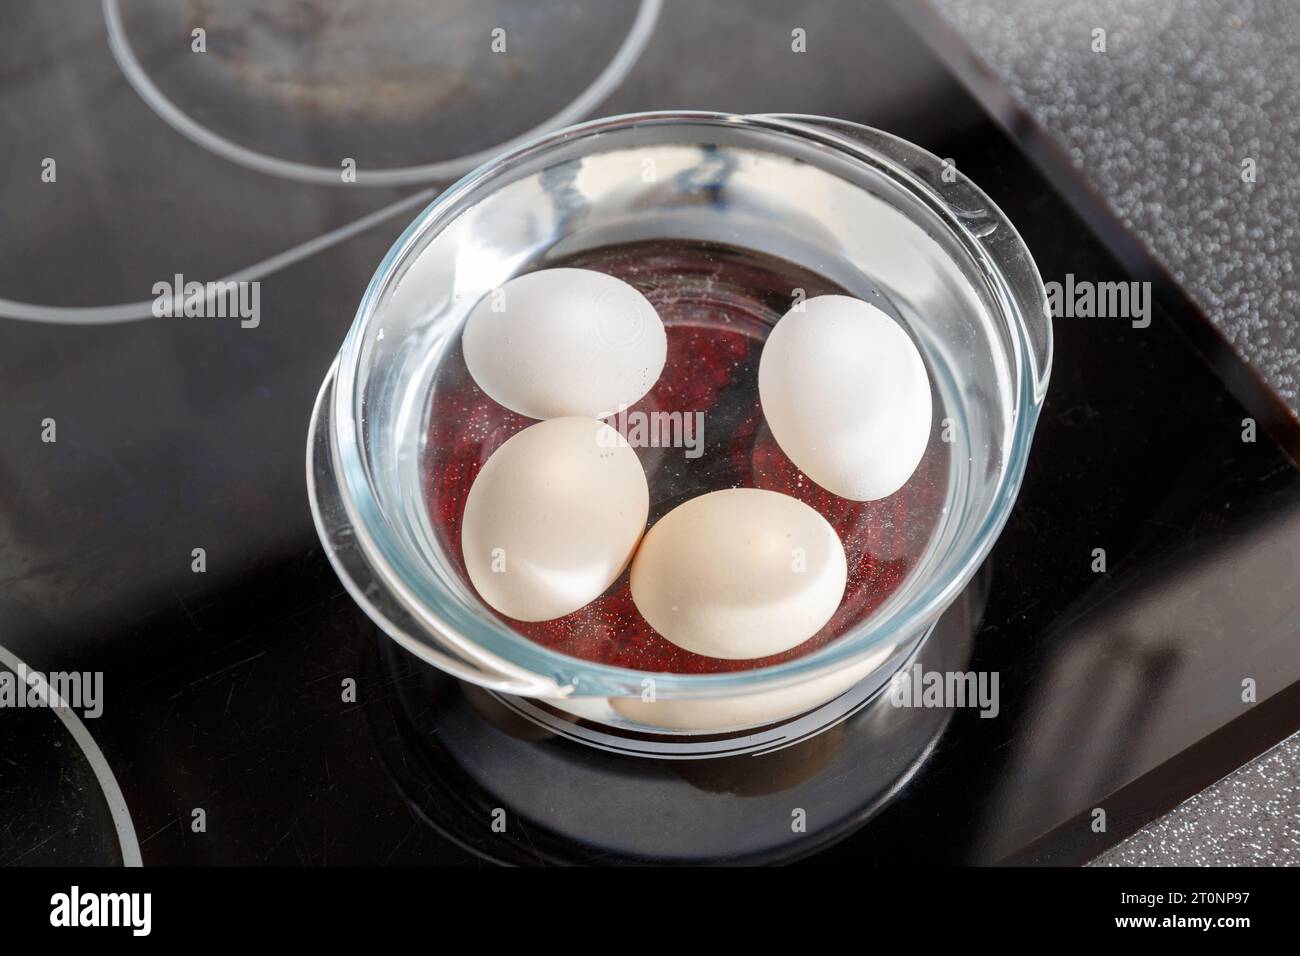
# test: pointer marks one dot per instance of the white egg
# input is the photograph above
(739, 574)
(553, 518)
(565, 342)
(846, 395)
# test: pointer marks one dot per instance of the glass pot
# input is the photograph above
(859, 206)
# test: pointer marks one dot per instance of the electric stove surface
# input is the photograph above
(228, 733)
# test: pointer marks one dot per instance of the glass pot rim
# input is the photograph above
(1015, 288)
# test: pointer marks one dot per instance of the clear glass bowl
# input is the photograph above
(867, 210)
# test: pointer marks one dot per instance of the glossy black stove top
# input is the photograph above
(224, 691)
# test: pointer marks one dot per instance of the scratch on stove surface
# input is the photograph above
(218, 672)
(402, 842)
(166, 826)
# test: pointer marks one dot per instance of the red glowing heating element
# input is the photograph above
(717, 304)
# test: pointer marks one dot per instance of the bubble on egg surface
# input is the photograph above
(553, 518)
(561, 342)
(846, 395)
(740, 573)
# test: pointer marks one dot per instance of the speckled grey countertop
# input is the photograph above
(1187, 96)
(1251, 817)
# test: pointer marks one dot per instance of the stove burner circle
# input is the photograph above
(597, 91)
(70, 785)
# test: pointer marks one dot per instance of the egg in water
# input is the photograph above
(847, 396)
(553, 518)
(740, 573)
(561, 342)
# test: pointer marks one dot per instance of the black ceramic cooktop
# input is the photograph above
(226, 734)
